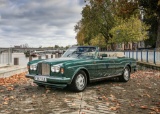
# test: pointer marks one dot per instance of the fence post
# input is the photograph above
(136, 55)
(132, 54)
(52, 56)
(154, 56)
(59, 55)
(46, 56)
(56, 55)
(141, 55)
(147, 56)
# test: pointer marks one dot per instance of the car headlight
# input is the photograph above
(55, 68)
(33, 67)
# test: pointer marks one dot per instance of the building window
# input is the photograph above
(126, 46)
(119, 45)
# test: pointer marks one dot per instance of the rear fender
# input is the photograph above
(126, 66)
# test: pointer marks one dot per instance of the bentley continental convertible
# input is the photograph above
(78, 66)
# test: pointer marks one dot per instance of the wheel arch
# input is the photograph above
(86, 72)
(128, 65)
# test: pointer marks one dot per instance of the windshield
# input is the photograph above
(80, 52)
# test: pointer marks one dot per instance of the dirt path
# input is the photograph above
(141, 95)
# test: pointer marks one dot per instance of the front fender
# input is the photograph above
(76, 71)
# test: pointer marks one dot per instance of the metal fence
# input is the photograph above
(148, 56)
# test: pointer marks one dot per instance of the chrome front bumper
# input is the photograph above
(51, 80)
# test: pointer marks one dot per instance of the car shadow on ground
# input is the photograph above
(90, 85)
(104, 82)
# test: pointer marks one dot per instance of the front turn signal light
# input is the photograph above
(28, 67)
(62, 70)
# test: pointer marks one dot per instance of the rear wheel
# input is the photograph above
(79, 82)
(126, 75)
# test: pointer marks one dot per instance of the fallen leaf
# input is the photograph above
(107, 103)
(73, 104)
(88, 108)
(5, 103)
(11, 97)
(106, 99)
(33, 96)
(47, 91)
(156, 109)
(114, 108)
(43, 95)
(132, 105)
(152, 113)
(10, 88)
(144, 107)
(1, 90)
(6, 98)
(148, 95)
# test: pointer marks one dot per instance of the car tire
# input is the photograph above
(126, 75)
(79, 82)
(40, 85)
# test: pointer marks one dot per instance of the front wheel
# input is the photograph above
(40, 85)
(126, 75)
(79, 82)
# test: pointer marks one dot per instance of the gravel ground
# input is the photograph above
(141, 95)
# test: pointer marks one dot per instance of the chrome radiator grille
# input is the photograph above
(43, 69)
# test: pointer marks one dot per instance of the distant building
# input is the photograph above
(131, 46)
(128, 46)
(17, 46)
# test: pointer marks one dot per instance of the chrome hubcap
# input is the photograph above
(126, 74)
(80, 82)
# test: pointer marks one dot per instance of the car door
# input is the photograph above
(118, 66)
(105, 67)
(91, 66)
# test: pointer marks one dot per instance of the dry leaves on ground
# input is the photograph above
(146, 74)
(18, 78)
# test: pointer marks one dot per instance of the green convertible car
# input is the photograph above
(78, 66)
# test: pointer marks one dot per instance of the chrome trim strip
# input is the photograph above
(95, 79)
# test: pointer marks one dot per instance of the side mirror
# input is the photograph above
(104, 55)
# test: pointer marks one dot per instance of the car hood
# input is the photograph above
(61, 60)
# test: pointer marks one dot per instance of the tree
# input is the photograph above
(152, 17)
(56, 46)
(129, 30)
(99, 41)
(125, 8)
(96, 19)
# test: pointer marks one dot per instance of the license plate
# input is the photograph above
(40, 78)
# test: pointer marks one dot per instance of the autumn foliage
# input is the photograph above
(17, 78)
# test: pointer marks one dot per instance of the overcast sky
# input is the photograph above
(39, 22)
